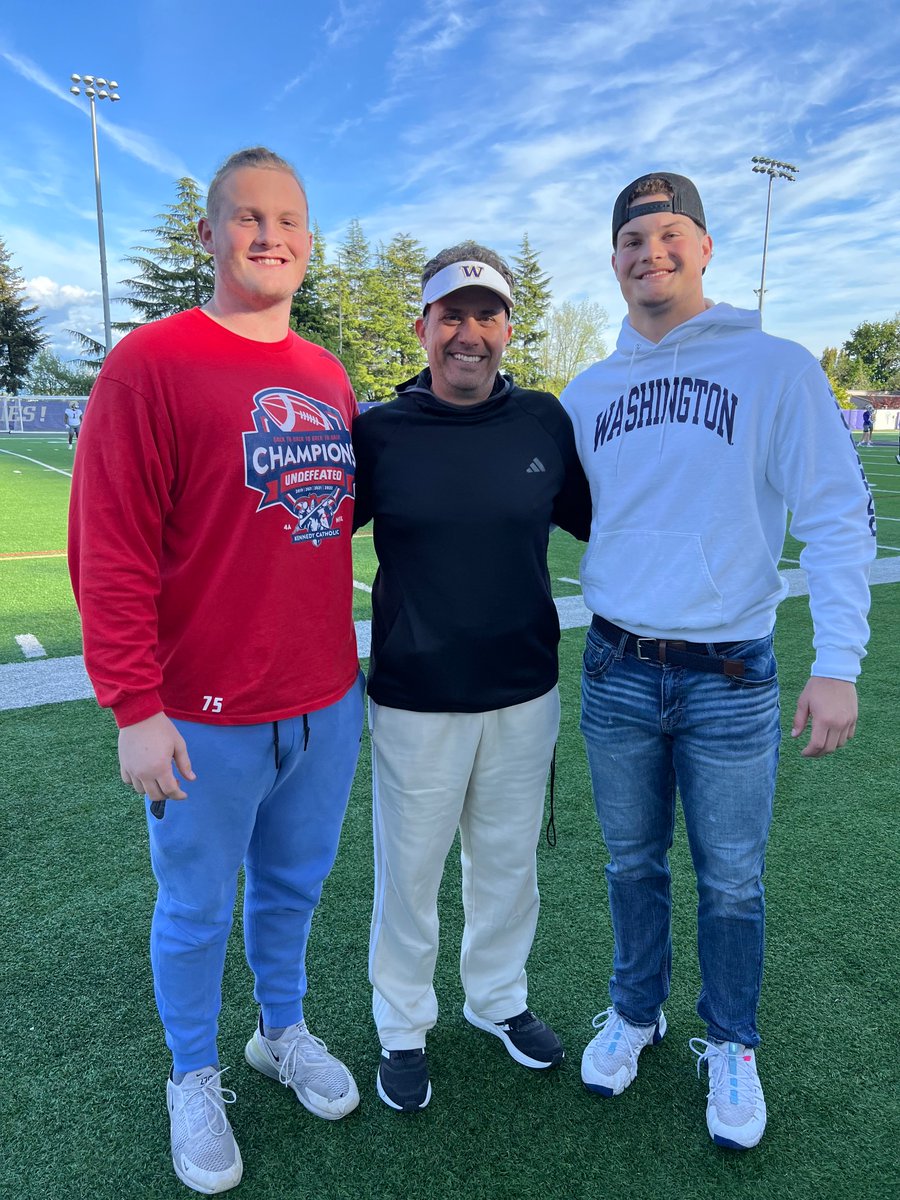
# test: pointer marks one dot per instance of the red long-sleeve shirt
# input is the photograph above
(210, 526)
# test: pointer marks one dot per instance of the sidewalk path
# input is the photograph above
(52, 680)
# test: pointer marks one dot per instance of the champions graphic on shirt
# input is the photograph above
(299, 455)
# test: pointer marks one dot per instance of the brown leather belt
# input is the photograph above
(699, 656)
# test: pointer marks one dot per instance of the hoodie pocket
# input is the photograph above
(652, 579)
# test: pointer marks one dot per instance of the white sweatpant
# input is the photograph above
(485, 773)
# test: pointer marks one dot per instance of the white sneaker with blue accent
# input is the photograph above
(204, 1153)
(610, 1062)
(301, 1062)
(735, 1108)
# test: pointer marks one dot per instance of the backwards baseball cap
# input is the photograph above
(684, 201)
(469, 273)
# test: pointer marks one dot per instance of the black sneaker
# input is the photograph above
(403, 1081)
(526, 1037)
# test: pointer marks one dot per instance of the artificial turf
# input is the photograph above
(83, 1111)
(85, 1062)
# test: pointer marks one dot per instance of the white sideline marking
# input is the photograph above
(363, 587)
(37, 462)
(31, 647)
(51, 680)
(565, 579)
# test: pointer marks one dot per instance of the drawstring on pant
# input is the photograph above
(551, 820)
(275, 739)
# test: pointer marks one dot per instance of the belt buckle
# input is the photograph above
(640, 653)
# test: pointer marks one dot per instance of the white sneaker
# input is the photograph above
(300, 1061)
(610, 1062)
(204, 1153)
(735, 1108)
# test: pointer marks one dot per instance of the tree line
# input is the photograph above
(359, 301)
(869, 361)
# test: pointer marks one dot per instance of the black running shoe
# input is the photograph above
(403, 1081)
(527, 1039)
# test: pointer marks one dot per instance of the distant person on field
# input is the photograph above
(866, 439)
(239, 726)
(73, 416)
(698, 435)
(463, 475)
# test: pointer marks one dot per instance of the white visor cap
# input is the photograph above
(470, 273)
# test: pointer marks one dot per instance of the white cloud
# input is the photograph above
(52, 295)
(440, 30)
(349, 22)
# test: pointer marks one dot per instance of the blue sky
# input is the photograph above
(472, 120)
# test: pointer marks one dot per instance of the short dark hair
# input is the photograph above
(253, 156)
(681, 197)
(653, 185)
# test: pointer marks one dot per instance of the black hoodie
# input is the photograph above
(463, 499)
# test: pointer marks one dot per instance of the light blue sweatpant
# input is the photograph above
(283, 823)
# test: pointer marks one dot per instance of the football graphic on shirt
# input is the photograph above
(289, 411)
(299, 456)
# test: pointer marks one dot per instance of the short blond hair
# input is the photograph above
(253, 156)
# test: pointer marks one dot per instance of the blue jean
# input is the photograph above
(650, 728)
(282, 821)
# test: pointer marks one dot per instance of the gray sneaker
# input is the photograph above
(204, 1153)
(301, 1062)
(610, 1062)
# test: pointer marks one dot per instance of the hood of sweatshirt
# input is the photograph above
(717, 319)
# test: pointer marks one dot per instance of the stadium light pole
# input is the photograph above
(94, 93)
(775, 170)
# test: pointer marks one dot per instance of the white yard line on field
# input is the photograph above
(37, 461)
(31, 647)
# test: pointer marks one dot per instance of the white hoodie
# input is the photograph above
(695, 448)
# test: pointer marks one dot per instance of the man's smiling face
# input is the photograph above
(464, 335)
(259, 238)
(659, 261)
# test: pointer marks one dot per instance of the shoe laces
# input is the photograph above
(739, 1089)
(303, 1045)
(606, 1022)
(524, 1020)
(204, 1103)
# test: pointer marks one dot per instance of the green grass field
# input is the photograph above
(85, 1061)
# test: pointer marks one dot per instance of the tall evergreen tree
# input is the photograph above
(175, 273)
(311, 312)
(94, 352)
(21, 336)
(393, 301)
(349, 297)
(523, 359)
